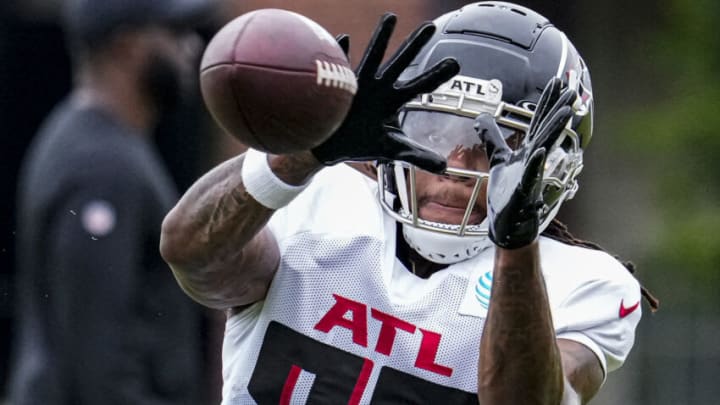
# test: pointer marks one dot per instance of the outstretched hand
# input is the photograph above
(514, 195)
(367, 132)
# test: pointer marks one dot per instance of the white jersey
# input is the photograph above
(345, 322)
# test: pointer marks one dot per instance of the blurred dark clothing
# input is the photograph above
(90, 22)
(25, 48)
(100, 318)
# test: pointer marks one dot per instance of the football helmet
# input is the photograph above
(507, 54)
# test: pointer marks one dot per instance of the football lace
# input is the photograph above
(334, 75)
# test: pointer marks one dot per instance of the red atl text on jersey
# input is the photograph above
(390, 325)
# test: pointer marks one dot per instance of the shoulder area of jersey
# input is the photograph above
(573, 259)
(340, 187)
(342, 174)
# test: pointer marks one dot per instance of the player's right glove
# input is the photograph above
(367, 132)
(514, 194)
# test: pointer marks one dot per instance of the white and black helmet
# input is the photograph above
(507, 54)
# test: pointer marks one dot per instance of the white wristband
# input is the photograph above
(261, 183)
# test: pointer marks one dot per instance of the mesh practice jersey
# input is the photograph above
(344, 322)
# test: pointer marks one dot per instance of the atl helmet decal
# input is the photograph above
(463, 95)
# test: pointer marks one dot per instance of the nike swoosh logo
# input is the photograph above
(625, 311)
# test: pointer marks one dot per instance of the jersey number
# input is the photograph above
(336, 376)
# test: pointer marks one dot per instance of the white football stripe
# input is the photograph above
(334, 75)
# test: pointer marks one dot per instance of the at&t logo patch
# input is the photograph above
(482, 289)
(476, 300)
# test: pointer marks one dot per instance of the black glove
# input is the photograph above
(366, 133)
(344, 41)
(514, 195)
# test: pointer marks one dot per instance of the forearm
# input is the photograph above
(520, 362)
(217, 227)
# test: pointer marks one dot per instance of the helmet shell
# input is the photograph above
(502, 41)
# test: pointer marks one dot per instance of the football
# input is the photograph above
(277, 81)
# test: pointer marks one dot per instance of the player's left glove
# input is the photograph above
(368, 131)
(514, 194)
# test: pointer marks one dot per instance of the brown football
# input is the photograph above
(277, 81)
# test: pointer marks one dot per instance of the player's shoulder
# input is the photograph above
(80, 137)
(340, 184)
(579, 262)
(340, 200)
(343, 173)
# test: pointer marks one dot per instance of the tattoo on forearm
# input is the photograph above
(519, 357)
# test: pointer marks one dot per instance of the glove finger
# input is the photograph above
(399, 147)
(344, 41)
(375, 51)
(407, 51)
(552, 130)
(547, 100)
(490, 135)
(566, 98)
(429, 80)
(532, 176)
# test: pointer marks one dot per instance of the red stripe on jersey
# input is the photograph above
(289, 386)
(361, 383)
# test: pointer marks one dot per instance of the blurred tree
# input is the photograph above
(678, 132)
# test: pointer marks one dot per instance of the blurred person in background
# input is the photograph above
(438, 274)
(100, 320)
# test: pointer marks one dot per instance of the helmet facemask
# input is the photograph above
(406, 190)
(443, 121)
(503, 70)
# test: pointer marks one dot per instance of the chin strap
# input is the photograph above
(444, 248)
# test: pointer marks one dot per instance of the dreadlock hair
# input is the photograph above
(559, 231)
